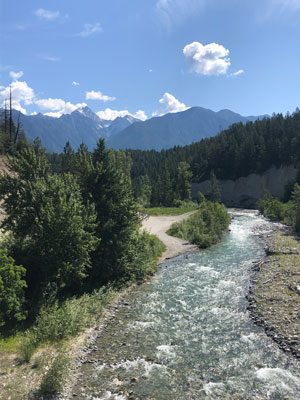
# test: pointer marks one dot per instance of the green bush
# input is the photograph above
(205, 227)
(12, 287)
(146, 250)
(61, 321)
(275, 210)
(54, 380)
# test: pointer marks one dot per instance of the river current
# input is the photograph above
(187, 333)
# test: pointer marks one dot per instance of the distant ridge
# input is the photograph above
(85, 126)
(81, 126)
(176, 129)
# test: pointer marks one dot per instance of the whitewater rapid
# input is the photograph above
(187, 334)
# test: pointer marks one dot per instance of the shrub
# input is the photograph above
(146, 250)
(204, 227)
(54, 380)
(61, 321)
(12, 287)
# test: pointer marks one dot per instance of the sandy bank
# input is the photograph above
(158, 225)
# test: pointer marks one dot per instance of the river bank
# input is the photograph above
(159, 225)
(274, 294)
(181, 338)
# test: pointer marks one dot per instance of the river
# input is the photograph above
(187, 333)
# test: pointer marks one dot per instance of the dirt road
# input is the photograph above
(158, 225)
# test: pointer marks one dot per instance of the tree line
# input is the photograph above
(67, 232)
(238, 151)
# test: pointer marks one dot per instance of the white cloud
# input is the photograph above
(47, 14)
(238, 72)
(170, 105)
(57, 107)
(90, 29)
(110, 115)
(16, 75)
(22, 95)
(210, 59)
(177, 11)
(74, 83)
(93, 95)
(48, 57)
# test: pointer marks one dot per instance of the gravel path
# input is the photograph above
(158, 225)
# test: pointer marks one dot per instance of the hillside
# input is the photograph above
(175, 129)
(167, 131)
(81, 126)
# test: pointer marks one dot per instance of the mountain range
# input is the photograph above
(162, 132)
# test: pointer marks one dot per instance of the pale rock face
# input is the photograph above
(245, 191)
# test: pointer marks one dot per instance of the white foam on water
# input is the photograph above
(139, 364)
(165, 352)
(279, 378)
(249, 338)
(141, 324)
(207, 270)
(110, 396)
(213, 388)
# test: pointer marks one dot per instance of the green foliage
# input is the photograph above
(215, 189)
(116, 215)
(57, 322)
(200, 198)
(275, 210)
(12, 291)
(54, 380)
(205, 227)
(143, 191)
(52, 228)
(238, 151)
(184, 177)
(296, 205)
(272, 208)
(181, 207)
(146, 250)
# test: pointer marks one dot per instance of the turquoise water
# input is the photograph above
(187, 334)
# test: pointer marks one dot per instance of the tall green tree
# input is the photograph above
(117, 221)
(214, 189)
(184, 179)
(296, 202)
(52, 228)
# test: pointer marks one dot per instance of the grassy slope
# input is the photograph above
(169, 210)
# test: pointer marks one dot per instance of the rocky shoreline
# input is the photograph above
(274, 291)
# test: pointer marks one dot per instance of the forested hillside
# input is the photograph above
(235, 152)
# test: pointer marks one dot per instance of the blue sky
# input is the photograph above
(150, 57)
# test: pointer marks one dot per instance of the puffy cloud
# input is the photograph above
(47, 14)
(110, 115)
(170, 105)
(90, 29)
(16, 75)
(210, 59)
(92, 95)
(57, 107)
(74, 83)
(22, 95)
(238, 72)
(177, 11)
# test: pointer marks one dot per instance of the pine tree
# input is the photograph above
(184, 177)
(215, 189)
